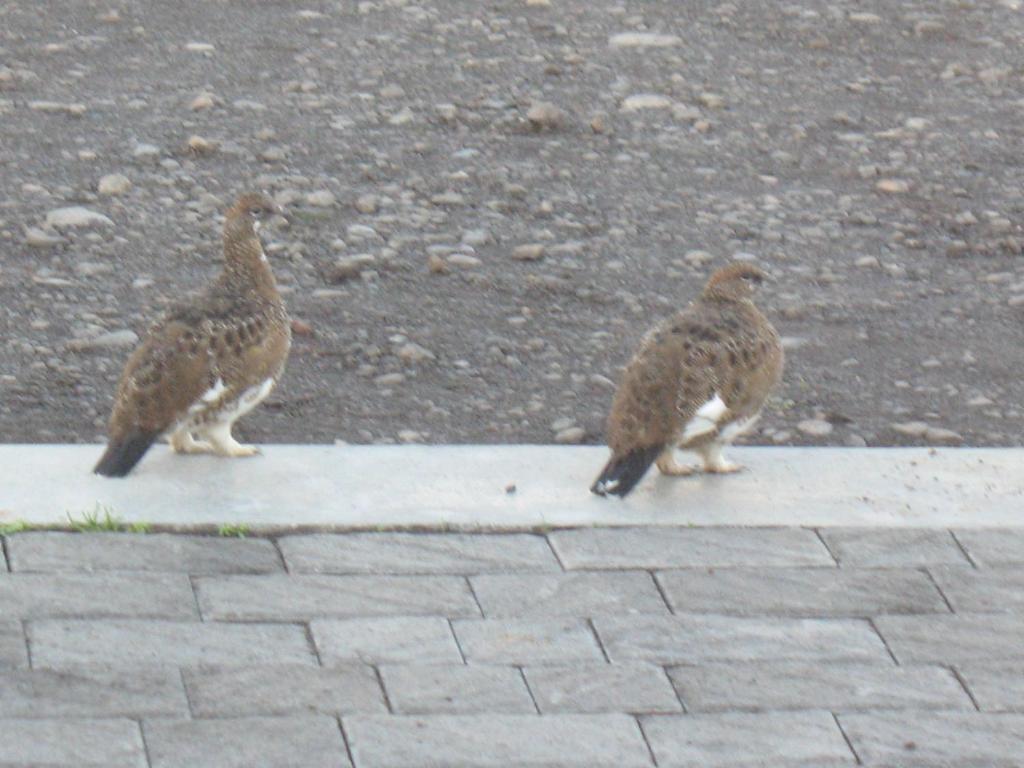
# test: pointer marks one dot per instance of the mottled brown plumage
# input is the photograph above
(206, 362)
(698, 380)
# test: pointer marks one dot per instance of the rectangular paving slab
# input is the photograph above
(92, 692)
(801, 592)
(62, 552)
(255, 742)
(456, 689)
(400, 640)
(694, 639)
(936, 739)
(59, 595)
(978, 591)
(893, 547)
(417, 553)
(955, 639)
(63, 644)
(596, 688)
(799, 685)
(790, 739)
(71, 744)
(567, 594)
(497, 741)
(630, 548)
(303, 597)
(283, 689)
(509, 641)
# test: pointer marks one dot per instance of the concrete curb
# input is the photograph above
(514, 488)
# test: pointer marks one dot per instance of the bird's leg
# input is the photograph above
(181, 441)
(224, 444)
(714, 462)
(667, 465)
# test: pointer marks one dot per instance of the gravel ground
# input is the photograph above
(493, 200)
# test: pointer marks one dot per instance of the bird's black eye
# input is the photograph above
(255, 212)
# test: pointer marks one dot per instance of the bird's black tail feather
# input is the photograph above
(123, 454)
(621, 474)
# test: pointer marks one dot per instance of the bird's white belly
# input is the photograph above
(248, 400)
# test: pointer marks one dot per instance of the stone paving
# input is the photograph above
(664, 647)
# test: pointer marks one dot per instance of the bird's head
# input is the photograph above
(735, 281)
(250, 212)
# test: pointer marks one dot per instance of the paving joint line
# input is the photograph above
(145, 744)
(551, 546)
(344, 740)
(188, 699)
(846, 738)
(821, 538)
(476, 598)
(458, 645)
(307, 627)
(195, 597)
(276, 541)
(885, 644)
(383, 689)
(661, 591)
(28, 644)
(675, 690)
(946, 600)
(6, 554)
(529, 690)
(647, 743)
(597, 638)
(963, 549)
(967, 689)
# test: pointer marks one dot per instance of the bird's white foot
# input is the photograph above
(667, 465)
(182, 442)
(224, 444)
(716, 464)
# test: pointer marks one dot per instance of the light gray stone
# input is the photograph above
(993, 546)
(417, 553)
(61, 644)
(990, 589)
(60, 595)
(495, 641)
(283, 689)
(413, 640)
(13, 648)
(253, 742)
(56, 551)
(893, 547)
(567, 594)
(802, 685)
(496, 741)
(821, 592)
(695, 639)
(790, 739)
(656, 547)
(997, 687)
(71, 744)
(596, 688)
(936, 739)
(76, 216)
(456, 689)
(953, 639)
(303, 597)
(92, 692)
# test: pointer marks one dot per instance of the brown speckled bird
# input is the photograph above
(698, 381)
(206, 362)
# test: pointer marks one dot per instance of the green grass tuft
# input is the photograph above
(15, 526)
(237, 531)
(101, 519)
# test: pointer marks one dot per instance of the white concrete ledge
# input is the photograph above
(369, 487)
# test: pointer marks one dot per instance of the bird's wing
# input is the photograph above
(170, 372)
